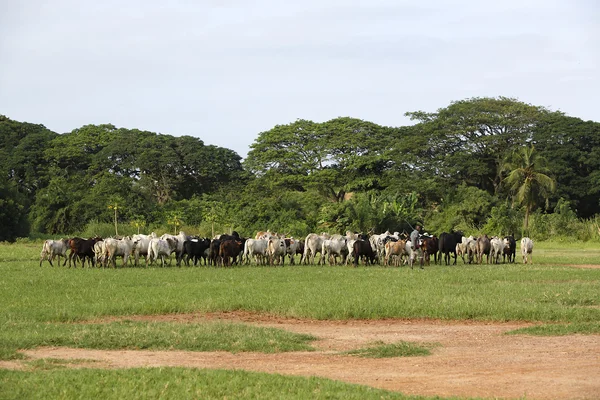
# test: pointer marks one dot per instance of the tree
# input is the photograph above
(13, 218)
(572, 148)
(175, 218)
(468, 140)
(115, 205)
(527, 179)
(332, 158)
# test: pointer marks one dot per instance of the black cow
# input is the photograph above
(362, 248)
(213, 255)
(511, 250)
(196, 250)
(447, 244)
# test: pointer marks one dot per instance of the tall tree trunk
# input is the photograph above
(526, 225)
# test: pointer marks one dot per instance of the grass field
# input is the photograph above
(53, 306)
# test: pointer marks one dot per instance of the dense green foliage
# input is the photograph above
(448, 170)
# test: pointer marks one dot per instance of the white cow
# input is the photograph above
(181, 238)
(141, 245)
(471, 248)
(496, 249)
(333, 248)
(118, 248)
(99, 252)
(256, 248)
(291, 247)
(413, 254)
(527, 249)
(350, 247)
(313, 245)
(54, 248)
(378, 243)
(161, 248)
(276, 251)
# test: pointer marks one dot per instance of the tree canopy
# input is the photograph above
(447, 168)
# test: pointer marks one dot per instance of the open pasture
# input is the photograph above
(125, 308)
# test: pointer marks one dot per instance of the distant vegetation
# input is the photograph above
(469, 166)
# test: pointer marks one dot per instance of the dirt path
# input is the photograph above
(473, 359)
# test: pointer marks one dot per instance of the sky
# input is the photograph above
(225, 71)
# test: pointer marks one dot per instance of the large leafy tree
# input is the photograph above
(468, 140)
(22, 147)
(334, 157)
(571, 147)
(527, 179)
(13, 216)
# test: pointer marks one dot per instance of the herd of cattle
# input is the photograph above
(273, 249)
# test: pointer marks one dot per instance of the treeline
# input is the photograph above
(450, 170)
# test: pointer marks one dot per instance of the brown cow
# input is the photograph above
(82, 248)
(397, 249)
(229, 250)
(429, 245)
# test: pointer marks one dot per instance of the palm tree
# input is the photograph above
(527, 179)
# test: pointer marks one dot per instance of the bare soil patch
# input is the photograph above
(474, 359)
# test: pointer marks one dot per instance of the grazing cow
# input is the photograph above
(510, 249)
(363, 248)
(448, 243)
(256, 248)
(527, 250)
(54, 248)
(195, 249)
(496, 249)
(82, 249)
(483, 247)
(118, 248)
(161, 248)
(229, 250)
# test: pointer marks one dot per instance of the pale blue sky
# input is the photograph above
(225, 71)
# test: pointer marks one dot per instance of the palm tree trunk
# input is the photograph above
(526, 225)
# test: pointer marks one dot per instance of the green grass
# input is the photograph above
(388, 350)
(209, 336)
(51, 306)
(584, 328)
(176, 383)
(36, 302)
